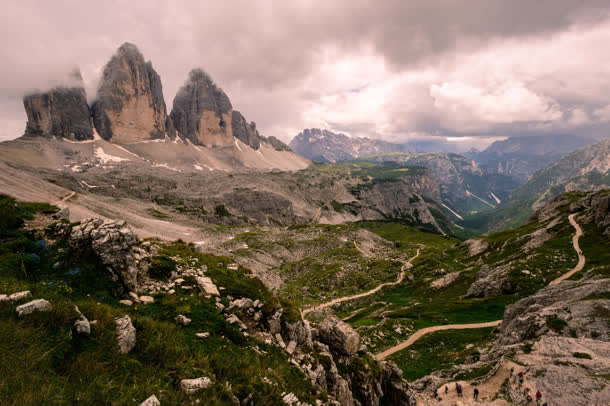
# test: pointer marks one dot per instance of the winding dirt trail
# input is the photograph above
(420, 333)
(581, 256)
(67, 197)
(364, 294)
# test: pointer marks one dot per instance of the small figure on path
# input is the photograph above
(476, 394)
(459, 390)
(446, 389)
(538, 395)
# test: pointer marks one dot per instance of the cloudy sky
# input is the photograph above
(397, 70)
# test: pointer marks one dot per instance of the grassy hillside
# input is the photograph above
(44, 362)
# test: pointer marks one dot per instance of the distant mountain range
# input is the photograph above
(587, 168)
(327, 146)
(520, 157)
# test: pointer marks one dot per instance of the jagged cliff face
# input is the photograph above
(61, 112)
(202, 112)
(130, 105)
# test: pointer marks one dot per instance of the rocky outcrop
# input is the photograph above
(118, 248)
(492, 282)
(130, 105)
(246, 133)
(62, 111)
(202, 112)
(475, 246)
(445, 280)
(126, 334)
(339, 336)
(561, 334)
(561, 309)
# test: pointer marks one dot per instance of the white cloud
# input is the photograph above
(471, 107)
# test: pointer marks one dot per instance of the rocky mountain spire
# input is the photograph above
(61, 111)
(202, 112)
(130, 105)
(246, 133)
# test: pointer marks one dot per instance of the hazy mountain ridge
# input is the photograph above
(328, 146)
(521, 157)
(587, 168)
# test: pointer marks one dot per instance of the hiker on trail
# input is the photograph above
(538, 395)
(446, 389)
(520, 381)
(435, 393)
(459, 390)
(476, 394)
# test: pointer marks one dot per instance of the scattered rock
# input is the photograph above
(233, 319)
(38, 305)
(194, 385)
(207, 286)
(126, 334)
(244, 303)
(15, 297)
(202, 335)
(275, 323)
(82, 326)
(147, 299)
(445, 280)
(181, 319)
(151, 401)
(126, 302)
(292, 345)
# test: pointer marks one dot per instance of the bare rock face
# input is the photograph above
(246, 133)
(339, 335)
(130, 105)
(61, 112)
(202, 112)
(117, 246)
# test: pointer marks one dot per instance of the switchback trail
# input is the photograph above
(359, 295)
(420, 333)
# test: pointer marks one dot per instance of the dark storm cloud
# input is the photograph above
(275, 58)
